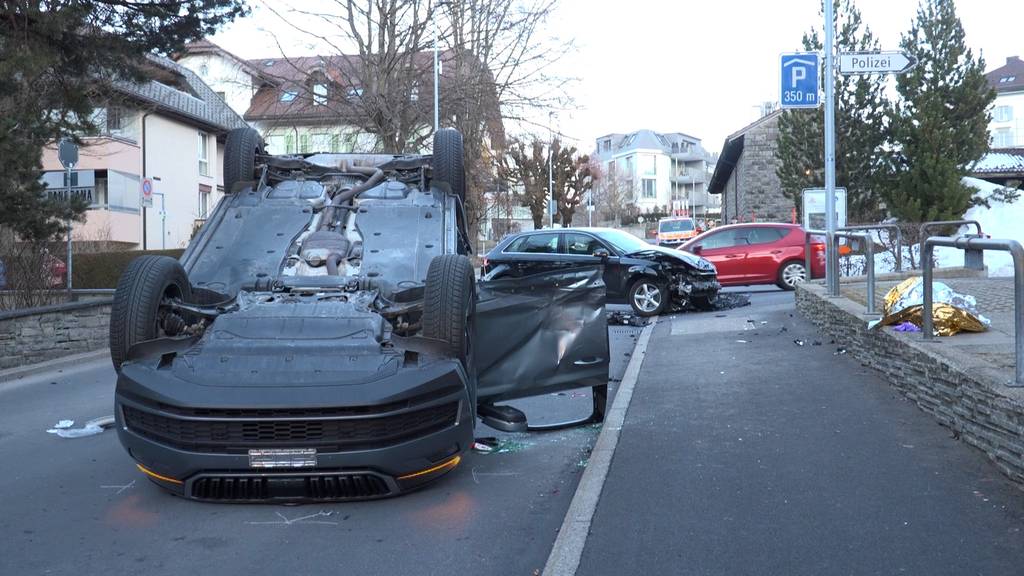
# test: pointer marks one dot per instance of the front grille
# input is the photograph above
(237, 435)
(341, 486)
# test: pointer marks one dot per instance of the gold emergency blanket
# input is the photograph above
(951, 312)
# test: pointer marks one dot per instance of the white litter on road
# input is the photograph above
(93, 427)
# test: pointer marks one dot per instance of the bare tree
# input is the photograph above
(613, 194)
(528, 166)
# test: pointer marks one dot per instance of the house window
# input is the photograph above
(288, 95)
(204, 154)
(204, 70)
(321, 142)
(1002, 138)
(1002, 114)
(650, 188)
(303, 143)
(223, 95)
(289, 143)
(355, 93)
(115, 119)
(414, 95)
(319, 94)
(204, 202)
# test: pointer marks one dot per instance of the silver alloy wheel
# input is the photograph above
(647, 297)
(794, 274)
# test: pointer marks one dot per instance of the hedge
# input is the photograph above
(102, 269)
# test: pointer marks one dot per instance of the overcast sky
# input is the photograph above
(699, 67)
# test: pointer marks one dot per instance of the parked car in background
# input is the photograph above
(673, 231)
(759, 253)
(54, 271)
(651, 279)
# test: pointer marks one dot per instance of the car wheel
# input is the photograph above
(135, 314)
(448, 161)
(240, 150)
(790, 274)
(449, 303)
(647, 297)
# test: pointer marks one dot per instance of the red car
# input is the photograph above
(759, 253)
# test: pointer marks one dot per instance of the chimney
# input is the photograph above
(1012, 59)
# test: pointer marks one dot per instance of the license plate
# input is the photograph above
(282, 458)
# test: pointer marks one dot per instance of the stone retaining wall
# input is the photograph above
(959, 392)
(38, 334)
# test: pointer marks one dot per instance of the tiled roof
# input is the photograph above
(203, 106)
(1001, 161)
(1009, 77)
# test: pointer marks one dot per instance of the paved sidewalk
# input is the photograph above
(765, 457)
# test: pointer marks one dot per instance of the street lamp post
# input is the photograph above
(551, 179)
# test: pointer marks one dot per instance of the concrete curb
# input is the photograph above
(11, 374)
(572, 536)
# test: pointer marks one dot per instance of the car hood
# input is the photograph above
(672, 255)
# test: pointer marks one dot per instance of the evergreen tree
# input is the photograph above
(56, 58)
(940, 124)
(860, 127)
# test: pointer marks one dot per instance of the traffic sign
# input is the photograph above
(880, 62)
(147, 192)
(814, 210)
(67, 153)
(800, 81)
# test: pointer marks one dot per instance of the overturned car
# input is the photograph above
(324, 338)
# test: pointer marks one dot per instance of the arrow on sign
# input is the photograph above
(882, 62)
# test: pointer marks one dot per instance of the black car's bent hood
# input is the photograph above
(682, 256)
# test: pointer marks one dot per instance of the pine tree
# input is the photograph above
(56, 57)
(940, 124)
(860, 127)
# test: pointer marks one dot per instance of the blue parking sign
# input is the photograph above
(800, 80)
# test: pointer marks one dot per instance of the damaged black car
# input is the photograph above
(323, 337)
(651, 279)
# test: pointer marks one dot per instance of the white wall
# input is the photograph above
(172, 160)
(223, 75)
(1015, 125)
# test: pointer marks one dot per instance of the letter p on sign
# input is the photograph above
(797, 73)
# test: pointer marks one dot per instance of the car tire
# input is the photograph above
(648, 297)
(240, 151)
(447, 161)
(791, 273)
(134, 314)
(449, 305)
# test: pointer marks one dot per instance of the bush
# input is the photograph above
(103, 269)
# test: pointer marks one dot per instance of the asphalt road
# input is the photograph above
(78, 506)
(743, 452)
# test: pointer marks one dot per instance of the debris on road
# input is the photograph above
(798, 342)
(93, 427)
(485, 445)
(839, 351)
(625, 319)
(742, 341)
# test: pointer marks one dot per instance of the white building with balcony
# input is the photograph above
(666, 172)
(1007, 125)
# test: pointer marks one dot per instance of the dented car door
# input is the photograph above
(541, 333)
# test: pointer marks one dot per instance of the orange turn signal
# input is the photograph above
(447, 464)
(152, 474)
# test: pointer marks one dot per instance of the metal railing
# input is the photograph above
(973, 259)
(869, 264)
(899, 238)
(831, 251)
(980, 245)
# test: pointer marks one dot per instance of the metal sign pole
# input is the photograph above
(67, 268)
(832, 279)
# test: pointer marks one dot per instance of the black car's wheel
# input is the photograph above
(240, 150)
(791, 273)
(648, 297)
(449, 304)
(135, 315)
(448, 160)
